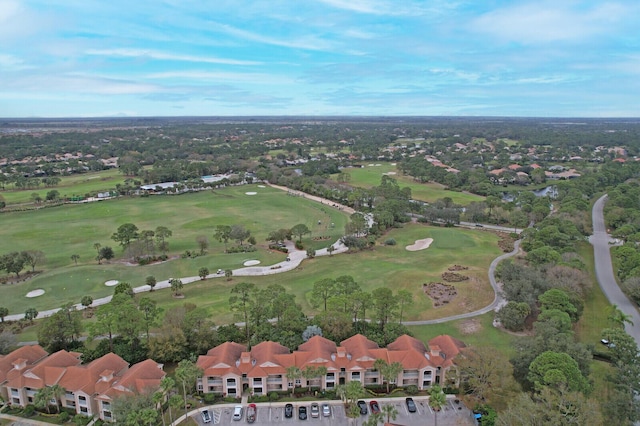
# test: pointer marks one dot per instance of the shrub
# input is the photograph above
(411, 390)
(64, 417)
(390, 242)
(299, 245)
(209, 398)
(29, 410)
(273, 396)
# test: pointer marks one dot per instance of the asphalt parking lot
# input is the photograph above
(452, 414)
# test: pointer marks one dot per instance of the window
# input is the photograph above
(298, 382)
(231, 382)
(355, 375)
(84, 410)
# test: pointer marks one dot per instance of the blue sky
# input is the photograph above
(78, 58)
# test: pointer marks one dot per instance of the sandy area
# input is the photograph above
(251, 193)
(251, 263)
(35, 293)
(111, 283)
(420, 244)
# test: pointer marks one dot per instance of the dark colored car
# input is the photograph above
(411, 406)
(302, 413)
(375, 408)
(288, 411)
(363, 407)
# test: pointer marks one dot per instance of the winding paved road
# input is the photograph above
(498, 300)
(602, 242)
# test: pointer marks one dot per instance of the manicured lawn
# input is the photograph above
(73, 229)
(80, 184)
(390, 266)
(371, 174)
(478, 331)
(596, 306)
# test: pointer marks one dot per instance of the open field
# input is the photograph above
(370, 176)
(391, 266)
(73, 229)
(80, 184)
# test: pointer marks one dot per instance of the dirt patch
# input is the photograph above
(470, 326)
(457, 268)
(454, 277)
(506, 242)
(440, 293)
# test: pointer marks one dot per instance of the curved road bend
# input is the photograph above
(601, 242)
(497, 300)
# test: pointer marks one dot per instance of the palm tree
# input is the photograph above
(75, 258)
(437, 399)
(618, 317)
(57, 392)
(293, 374)
(43, 397)
(390, 412)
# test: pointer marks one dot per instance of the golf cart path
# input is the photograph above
(295, 258)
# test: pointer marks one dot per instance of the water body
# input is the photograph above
(551, 191)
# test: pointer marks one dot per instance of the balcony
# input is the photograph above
(214, 382)
(410, 374)
(274, 380)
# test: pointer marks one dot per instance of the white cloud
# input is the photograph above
(299, 42)
(12, 63)
(151, 54)
(546, 22)
(205, 76)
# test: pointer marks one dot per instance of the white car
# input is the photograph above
(206, 417)
(237, 413)
(326, 410)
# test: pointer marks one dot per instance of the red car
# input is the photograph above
(251, 413)
(375, 408)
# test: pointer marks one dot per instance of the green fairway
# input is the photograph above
(390, 266)
(80, 184)
(370, 175)
(73, 229)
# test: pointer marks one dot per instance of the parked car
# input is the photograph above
(206, 417)
(411, 406)
(363, 407)
(326, 410)
(251, 413)
(375, 408)
(315, 410)
(237, 413)
(288, 411)
(302, 413)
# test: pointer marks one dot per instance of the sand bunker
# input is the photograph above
(261, 186)
(111, 283)
(251, 193)
(35, 293)
(389, 173)
(251, 263)
(420, 244)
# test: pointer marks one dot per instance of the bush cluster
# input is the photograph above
(241, 249)
(151, 259)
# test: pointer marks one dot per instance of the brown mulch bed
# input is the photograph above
(457, 268)
(506, 242)
(454, 277)
(440, 293)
